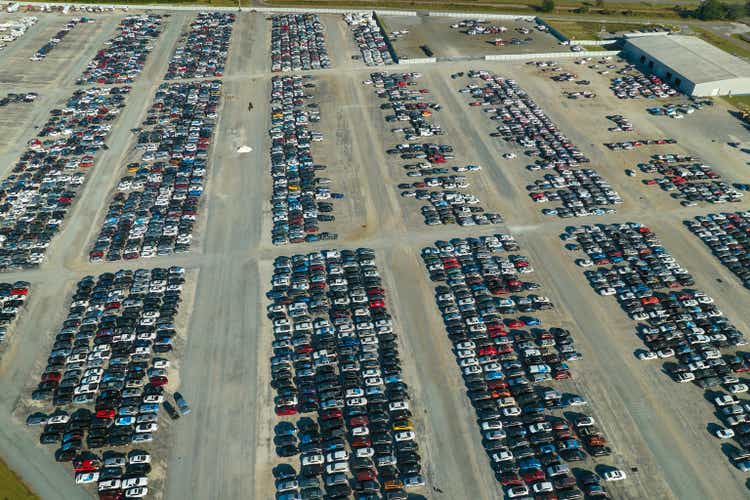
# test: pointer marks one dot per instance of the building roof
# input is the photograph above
(692, 58)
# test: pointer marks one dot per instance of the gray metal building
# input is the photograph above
(689, 64)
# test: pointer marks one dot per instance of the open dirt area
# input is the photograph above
(224, 448)
(444, 41)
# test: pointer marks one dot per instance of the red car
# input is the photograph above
(533, 475)
(359, 421)
(361, 442)
(510, 479)
(105, 414)
(365, 475)
(86, 464)
(51, 377)
(514, 323)
(331, 414)
(286, 410)
(158, 381)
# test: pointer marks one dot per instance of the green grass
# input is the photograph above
(720, 42)
(589, 30)
(11, 486)
(633, 10)
(741, 102)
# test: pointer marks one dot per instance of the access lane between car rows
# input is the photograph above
(503, 358)
(20, 349)
(682, 326)
(230, 200)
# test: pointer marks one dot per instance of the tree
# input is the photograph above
(599, 3)
(711, 10)
(734, 11)
(747, 9)
(547, 6)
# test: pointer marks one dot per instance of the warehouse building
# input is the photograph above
(689, 64)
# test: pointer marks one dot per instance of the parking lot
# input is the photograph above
(657, 429)
(520, 37)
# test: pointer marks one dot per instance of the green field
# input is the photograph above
(11, 486)
(528, 7)
(739, 101)
(720, 42)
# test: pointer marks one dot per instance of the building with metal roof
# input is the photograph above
(689, 64)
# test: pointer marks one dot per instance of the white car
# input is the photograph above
(585, 262)
(364, 452)
(614, 475)
(413, 481)
(337, 456)
(134, 482)
(112, 484)
(314, 459)
(509, 156)
(647, 355)
(725, 400)
(139, 458)
(517, 491)
(136, 492)
(738, 388)
(404, 436)
(86, 477)
(542, 487)
(337, 467)
(724, 433)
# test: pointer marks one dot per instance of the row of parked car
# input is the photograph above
(509, 363)
(155, 206)
(369, 38)
(679, 325)
(582, 192)
(110, 360)
(727, 236)
(734, 413)
(636, 143)
(36, 195)
(622, 124)
(202, 51)
(45, 49)
(298, 43)
(300, 199)
(632, 84)
(448, 205)
(12, 298)
(688, 180)
(13, 98)
(13, 30)
(335, 354)
(652, 287)
(124, 55)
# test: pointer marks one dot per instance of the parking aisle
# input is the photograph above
(25, 349)
(227, 392)
(699, 360)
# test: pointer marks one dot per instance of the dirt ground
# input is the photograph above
(447, 42)
(223, 449)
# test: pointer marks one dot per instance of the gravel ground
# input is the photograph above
(222, 450)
